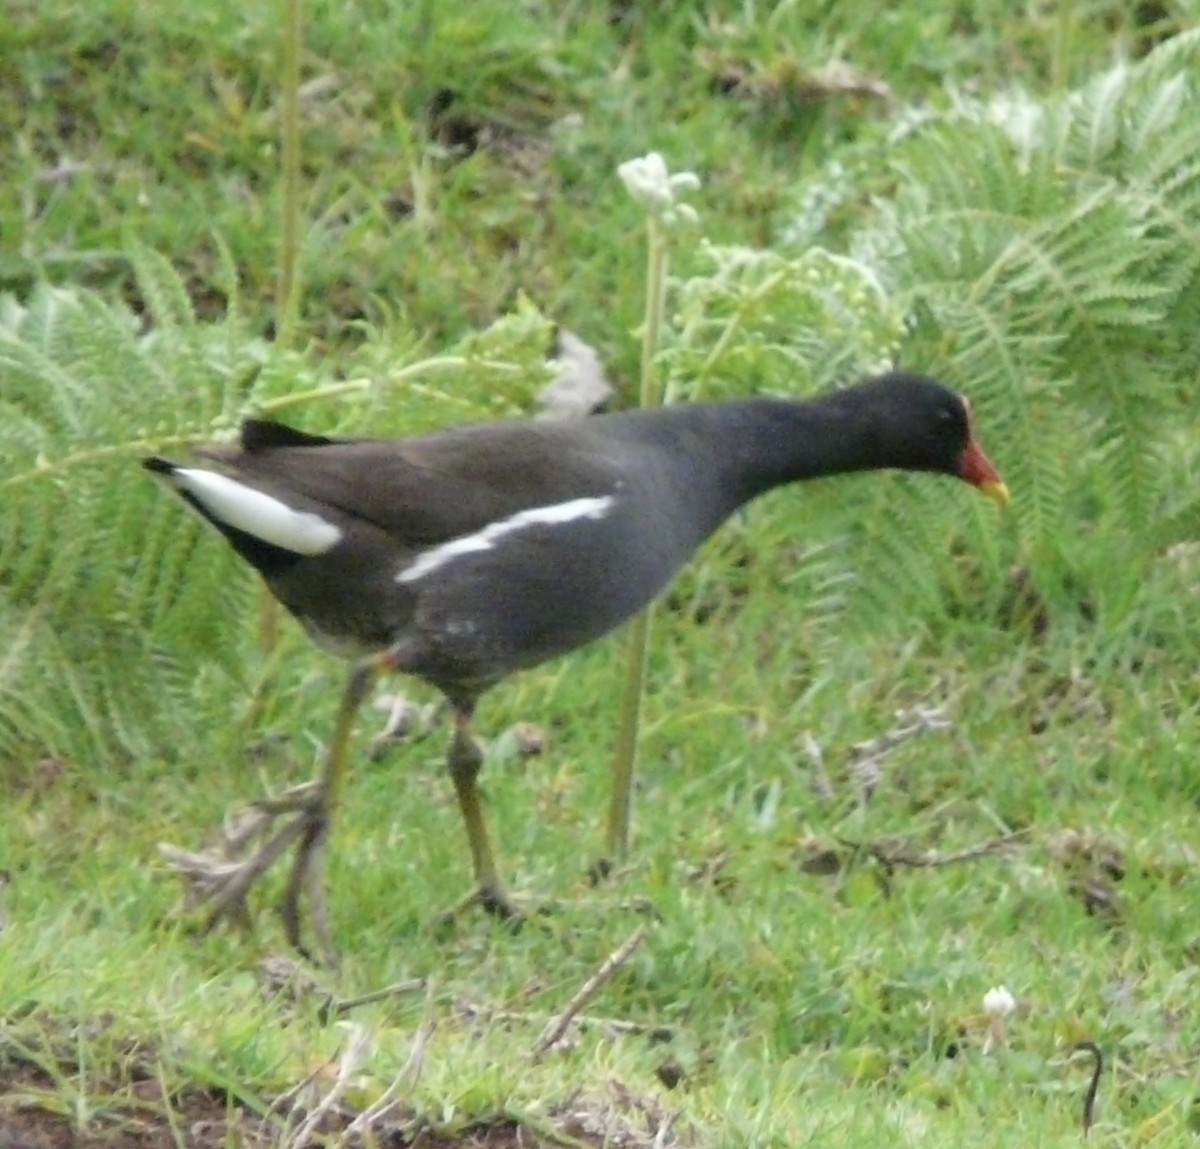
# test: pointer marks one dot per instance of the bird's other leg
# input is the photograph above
(464, 761)
(308, 869)
(220, 879)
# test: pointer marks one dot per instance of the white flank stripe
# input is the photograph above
(258, 514)
(485, 540)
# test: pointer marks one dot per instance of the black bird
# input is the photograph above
(463, 556)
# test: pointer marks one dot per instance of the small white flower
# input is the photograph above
(998, 1002)
(647, 180)
(657, 190)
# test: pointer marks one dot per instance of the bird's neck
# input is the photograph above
(751, 446)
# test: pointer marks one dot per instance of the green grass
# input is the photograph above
(814, 1004)
(807, 1006)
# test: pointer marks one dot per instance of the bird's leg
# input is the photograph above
(221, 880)
(464, 762)
(308, 869)
(620, 815)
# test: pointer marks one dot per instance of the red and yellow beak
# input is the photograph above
(976, 468)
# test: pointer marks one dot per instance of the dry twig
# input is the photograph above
(558, 1026)
(615, 1025)
(866, 763)
(351, 1059)
(901, 855)
(407, 1078)
(338, 1008)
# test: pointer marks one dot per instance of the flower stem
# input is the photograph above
(625, 760)
(287, 290)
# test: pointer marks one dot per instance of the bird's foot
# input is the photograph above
(495, 901)
(218, 880)
(605, 869)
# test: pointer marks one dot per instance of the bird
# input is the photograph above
(466, 555)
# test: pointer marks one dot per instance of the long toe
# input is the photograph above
(307, 881)
(307, 798)
(494, 900)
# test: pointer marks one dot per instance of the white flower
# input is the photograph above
(998, 1002)
(659, 192)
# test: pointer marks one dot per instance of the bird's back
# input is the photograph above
(482, 549)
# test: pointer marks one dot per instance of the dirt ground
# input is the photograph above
(34, 1116)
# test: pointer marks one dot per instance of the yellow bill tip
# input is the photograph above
(996, 491)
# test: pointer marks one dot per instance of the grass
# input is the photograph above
(804, 1002)
(821, 970)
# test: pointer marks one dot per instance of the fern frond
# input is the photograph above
(114, 603)
(165, 293)
(1047, 258)
(1052, 264)
(96, 568)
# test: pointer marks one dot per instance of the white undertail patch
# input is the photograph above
(557, 513)
(258, 514)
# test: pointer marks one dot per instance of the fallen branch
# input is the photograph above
(932, 859)
(555, 1030)
(407, 1078)
(866, 762)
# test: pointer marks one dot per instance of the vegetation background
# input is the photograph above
(1007, 196)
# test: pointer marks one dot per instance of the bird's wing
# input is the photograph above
(428, 490)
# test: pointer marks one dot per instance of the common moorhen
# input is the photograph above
(463, 556)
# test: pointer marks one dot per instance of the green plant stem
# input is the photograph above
(286, 290)
(289, 237)
(625, 760)
(1064, 38)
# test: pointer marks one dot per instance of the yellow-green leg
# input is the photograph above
(308, 870)
(464, 762)
(221, 881)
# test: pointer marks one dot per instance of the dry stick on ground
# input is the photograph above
(335, 1007)
(867, 761)
(354, 1054)
(554, 1031)
(932, 859)
(406, 1079)
(618, 1025)
(664, 1130)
